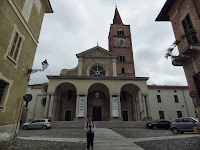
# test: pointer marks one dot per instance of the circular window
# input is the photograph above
(44, 101)
(97, 71)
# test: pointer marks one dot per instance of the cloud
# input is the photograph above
(77, 25)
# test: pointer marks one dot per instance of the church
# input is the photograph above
(104, 86)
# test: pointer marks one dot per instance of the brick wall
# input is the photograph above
(125, 50)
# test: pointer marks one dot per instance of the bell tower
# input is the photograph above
(120, 44)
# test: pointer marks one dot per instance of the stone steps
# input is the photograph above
(100, 124)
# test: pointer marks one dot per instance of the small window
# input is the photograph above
(158, 90)
(122, 58)
(179, 114)
(123, 70)
(159, 98)
(188, 26)
(120, 32)
(3, 90)
(176, 99)
(161, 114)
(15, 46)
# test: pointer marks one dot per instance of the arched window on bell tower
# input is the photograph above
(120, 32)
(123, 70)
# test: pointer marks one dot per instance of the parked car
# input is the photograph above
(162, 123)
(181, 125)
(38, 123)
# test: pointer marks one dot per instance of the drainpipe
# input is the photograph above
(185, 103)
(196, 9)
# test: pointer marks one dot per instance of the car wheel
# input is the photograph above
(175, 131)
(44, 127)
(155, 127)
(25, 127)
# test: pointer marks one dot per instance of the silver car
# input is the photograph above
(181, 125)
(38, 123)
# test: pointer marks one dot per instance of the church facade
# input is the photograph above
(102, 86)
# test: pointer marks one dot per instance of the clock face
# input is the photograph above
(121, 42)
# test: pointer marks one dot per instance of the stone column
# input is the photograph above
(46, 106)
(51, 104)
(144, 106)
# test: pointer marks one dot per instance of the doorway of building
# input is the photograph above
(97, 113)
(68, 115)
(125, 115)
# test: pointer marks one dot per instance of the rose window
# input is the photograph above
(97, 71)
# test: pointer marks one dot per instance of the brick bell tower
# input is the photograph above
(120, 44)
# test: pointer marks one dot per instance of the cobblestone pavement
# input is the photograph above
(141, 132)
(134, 134)
(40, 145)
(192, 143)
(187, 143)
(55, 132)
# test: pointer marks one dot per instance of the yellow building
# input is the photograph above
(20, 25)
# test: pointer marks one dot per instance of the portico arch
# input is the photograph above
(129, 98)
(98, 102)
(65, 102)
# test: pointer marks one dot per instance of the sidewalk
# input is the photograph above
(106, 139)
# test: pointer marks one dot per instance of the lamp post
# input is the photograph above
(44, 66)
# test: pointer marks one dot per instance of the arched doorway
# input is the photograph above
(65, 102)
(98, 102)
(129, 102)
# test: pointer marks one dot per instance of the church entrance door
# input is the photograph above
(97, 113)
(125, 115)
(68, 115)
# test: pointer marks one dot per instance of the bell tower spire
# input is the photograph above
(120, 44)
(117, 19)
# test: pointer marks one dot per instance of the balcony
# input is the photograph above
(190, 52)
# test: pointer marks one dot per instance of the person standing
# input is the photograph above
(90, 128)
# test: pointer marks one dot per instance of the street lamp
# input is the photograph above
(44, 66)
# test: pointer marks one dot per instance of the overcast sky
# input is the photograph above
(77, 25)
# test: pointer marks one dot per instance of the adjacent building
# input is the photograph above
(20, 25)
(169, 102)
(185, 18)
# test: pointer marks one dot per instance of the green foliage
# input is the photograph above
(177, 42)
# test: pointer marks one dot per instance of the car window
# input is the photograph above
(178, 120)
(34, 121)
(187, 120)
(42, 120)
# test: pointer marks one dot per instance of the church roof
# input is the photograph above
(96, 51)
(117, 19)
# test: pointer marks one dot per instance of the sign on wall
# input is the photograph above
(81, 106)
(115, 106)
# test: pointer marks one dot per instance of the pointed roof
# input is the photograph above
(117, 19)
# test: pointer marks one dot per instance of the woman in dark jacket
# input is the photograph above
(90, 128)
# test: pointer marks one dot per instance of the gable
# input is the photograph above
(96, 52)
